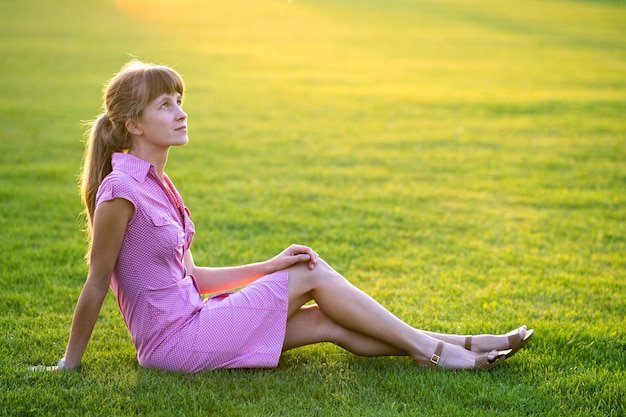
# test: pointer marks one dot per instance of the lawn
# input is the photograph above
(462, 161)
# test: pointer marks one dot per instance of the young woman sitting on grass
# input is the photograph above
(141, 233)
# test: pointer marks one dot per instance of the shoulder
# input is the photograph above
(116, 185)
(114, 210)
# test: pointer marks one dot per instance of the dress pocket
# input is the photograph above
(167, 231)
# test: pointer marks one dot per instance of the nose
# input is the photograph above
(182, 115)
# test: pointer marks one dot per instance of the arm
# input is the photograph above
(109, 226)
(211, 280)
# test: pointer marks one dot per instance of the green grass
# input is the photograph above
(462, 161)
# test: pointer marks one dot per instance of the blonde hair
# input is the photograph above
(125, 97)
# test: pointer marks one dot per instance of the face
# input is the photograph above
(163, 122)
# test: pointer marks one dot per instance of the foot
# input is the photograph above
(513, 340)
(516, 341)
(453, 357)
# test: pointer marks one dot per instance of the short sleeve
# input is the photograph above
(115, 186)
(105, 193)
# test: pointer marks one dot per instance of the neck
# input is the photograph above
(156, 157)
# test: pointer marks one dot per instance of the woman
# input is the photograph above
(141, 235)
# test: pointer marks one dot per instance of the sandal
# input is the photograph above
(515, 341)
(481, 362)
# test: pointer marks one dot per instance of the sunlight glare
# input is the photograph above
(182, 11)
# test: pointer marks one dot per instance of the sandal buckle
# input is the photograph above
(435, 359)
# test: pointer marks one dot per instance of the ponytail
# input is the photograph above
(103, 140)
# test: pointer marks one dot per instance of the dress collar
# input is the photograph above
(131, 165)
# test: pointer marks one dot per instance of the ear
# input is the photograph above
(133, 127)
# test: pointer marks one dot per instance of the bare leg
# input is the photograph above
(355, 311)
(480, 343)
(309, 325)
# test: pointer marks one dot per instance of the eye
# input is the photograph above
(165, 105)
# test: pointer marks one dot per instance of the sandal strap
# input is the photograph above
(514, 339)
(468, 342)
(481, 362)
(434, 359)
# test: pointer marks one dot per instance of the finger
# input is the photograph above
(309, 251)
(304, 257)
(303, 254)
(43, 368)
(298, 249)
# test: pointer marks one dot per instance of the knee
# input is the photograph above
(302, 272)
(319, 323)
(322, 275)
(315, 316)
(326, 273)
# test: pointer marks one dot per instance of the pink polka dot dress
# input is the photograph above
(171, 326)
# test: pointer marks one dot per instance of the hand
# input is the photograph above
(43, 368)
(294, 254)
(59, 367)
